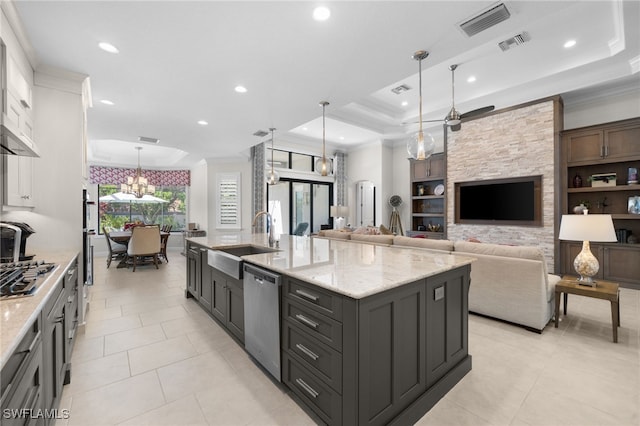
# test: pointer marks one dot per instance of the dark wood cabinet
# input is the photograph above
(428, 197)
(205, 293)
(21, 381)
(611, 148)
(386, 358)
(193, 270)
(219, 294)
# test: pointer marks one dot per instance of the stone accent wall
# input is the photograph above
(519, 142)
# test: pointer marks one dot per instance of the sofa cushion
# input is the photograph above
(522, 252)
(332, 233)
(367, 230)
(444, 245)
(376, 239)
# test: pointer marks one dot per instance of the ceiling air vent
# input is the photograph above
(485, 20)
(400, 89)
(260, 133)
(148, 140)
(514, 41)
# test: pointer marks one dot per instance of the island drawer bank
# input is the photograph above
(370, 335)
(38, 334)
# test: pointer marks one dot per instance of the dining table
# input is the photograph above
(123, 237)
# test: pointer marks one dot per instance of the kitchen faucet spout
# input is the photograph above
(270, 222)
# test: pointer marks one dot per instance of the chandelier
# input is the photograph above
(420, 146)
(137, 185)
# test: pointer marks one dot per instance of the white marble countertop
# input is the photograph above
(17, 315)
(350, 268)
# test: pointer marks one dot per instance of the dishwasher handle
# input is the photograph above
(262, 276)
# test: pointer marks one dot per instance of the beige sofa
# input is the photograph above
(509, 283)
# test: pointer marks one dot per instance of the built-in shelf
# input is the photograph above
(605, 188)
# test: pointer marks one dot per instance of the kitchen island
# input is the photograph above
(370, 334)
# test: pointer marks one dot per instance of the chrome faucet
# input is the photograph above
(270, 220)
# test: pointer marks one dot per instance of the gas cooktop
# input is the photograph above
(20, 279)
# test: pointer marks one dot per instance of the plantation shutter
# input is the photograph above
(228, 207)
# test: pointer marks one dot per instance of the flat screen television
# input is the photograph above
(512, 201)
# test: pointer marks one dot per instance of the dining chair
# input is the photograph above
(117, 251)
(300, 229)
(144, 242)
(164, 240)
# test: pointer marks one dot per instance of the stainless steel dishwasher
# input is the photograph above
(262, 317)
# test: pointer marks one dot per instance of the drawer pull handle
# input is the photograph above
(308, 352)
(311, 391)
(58, 319)
(307, 321)
(306, 295)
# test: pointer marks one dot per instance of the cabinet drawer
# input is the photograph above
(18, 361)
(323, 361)
(319, 326)
(27, 392)
(326, 403)
(314, 297)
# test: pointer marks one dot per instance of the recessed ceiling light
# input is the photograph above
(106, 102)
(471, 79)
(341, 138)
(569, 43)
(241, 89)
(321, 13)
(305, 128)
(405, 103)
(108, 47)
(202, 123)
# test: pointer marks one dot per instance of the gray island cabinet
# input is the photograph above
(370, 335)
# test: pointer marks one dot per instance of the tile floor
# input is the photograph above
(149, 356)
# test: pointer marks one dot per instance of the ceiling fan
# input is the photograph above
(454, 119)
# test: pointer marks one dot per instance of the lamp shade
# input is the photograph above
(339, 211)
(587, 227)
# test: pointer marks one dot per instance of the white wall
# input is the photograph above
(224, 166)
(198, 202)
(57, 175)
(605, 108)
(365, 163)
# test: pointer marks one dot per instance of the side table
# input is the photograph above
(604, 290)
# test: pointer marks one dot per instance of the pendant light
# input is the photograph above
(273, 177)
(420, 146)
(323, 166)
(453, 118)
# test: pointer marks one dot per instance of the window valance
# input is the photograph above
(115, 176)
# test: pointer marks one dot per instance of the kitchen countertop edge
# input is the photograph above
(24, 311)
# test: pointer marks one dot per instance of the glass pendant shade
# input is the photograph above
(421, 146)
(272, 177)
(324, 166)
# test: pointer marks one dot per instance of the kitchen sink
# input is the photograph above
(247, 250)
(228, 260)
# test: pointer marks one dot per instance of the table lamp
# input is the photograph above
(587, 227)
(339, 213)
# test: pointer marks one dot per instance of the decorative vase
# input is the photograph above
(577, 181)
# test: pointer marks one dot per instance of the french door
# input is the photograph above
(300, 207)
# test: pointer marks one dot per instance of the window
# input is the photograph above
(228, 206)
(114, 214)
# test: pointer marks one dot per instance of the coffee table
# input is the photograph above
(604, 290)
